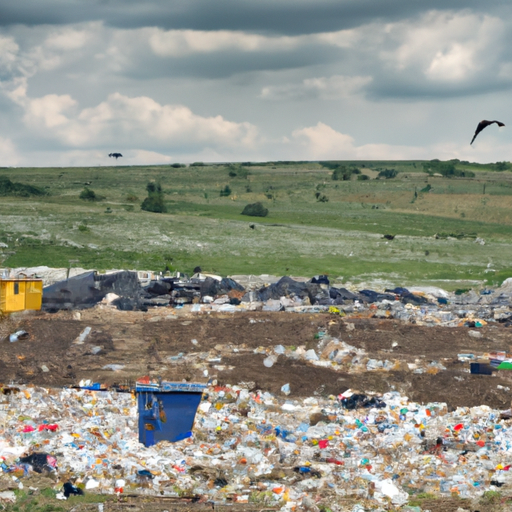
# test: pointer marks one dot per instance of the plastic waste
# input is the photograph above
(286, 389)
(113, 367)
(270, 361)
(18, 335)
(83, 335)
(71, 490)
(8, 497)
(40, 462)
(248, 442)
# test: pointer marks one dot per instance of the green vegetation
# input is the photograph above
(449, 169)
(255, 210)
(226, 191)
(238, 171)
(155, 201)
(45, 500)
(10, 188)
(304, 234)
(344, 173)
(388, 174)
(88, 195)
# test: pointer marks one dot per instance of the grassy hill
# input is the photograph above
(315, 224)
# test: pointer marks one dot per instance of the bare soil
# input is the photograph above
(146, 343)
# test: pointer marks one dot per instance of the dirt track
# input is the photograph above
(146, 343)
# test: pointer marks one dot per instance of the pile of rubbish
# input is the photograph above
(255, 447)
(202, 293)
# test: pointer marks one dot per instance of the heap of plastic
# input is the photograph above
(256, 447)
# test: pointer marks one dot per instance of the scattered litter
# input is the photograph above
(270, 361)
(254, 441)
(71, 490)
(18, 335)
(8, 497)
(113, 367)
(83, 335)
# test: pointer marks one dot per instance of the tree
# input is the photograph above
(155, 200)
(226, 191)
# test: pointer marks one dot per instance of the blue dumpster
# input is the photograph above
(167, 410)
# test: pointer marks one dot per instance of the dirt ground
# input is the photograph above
(150, 343)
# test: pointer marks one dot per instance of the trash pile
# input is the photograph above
(204, 293)
(255, 447)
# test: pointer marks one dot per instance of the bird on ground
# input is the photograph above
(483, 124)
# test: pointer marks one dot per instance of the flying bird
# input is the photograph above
(483, 124)
(115, 155)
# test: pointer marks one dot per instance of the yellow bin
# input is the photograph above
(20, 294)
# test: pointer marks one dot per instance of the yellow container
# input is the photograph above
(20, 294)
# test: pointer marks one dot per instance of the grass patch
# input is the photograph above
(301, 235)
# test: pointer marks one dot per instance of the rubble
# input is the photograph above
(206, 292)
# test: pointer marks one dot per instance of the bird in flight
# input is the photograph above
(483, 124)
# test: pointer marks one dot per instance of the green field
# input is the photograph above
(315, 224)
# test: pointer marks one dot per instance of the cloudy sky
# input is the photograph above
(166, 81)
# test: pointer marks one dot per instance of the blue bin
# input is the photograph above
(167, 410)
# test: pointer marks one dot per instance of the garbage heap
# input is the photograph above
(256, 447)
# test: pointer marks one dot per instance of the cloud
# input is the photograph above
(68, 39)
(329, 88)
(178, 43)
(9, 155)
(49, 112)
(132, 122)
(8, 56)
(271, 16)
(321, 142)
(441, 54)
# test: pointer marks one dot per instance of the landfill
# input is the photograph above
(280, 450)
(253, 447)
(132, 290)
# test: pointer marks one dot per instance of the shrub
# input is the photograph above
(131, 197)
(10, 188)
(226, 191)
(255, 210)
(363, 177)
(447, 169)
(155, 200)
(88, 195)
(501, 166)
(321, 198)
(344, 173)
(388, 174)
(237, 171)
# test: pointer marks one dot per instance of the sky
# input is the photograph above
(181, 81)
